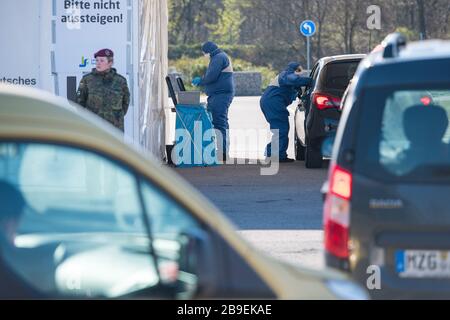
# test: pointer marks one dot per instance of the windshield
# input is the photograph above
(405, 134)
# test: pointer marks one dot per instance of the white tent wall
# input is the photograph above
(153, 65)
(38, 51)
(20, 41)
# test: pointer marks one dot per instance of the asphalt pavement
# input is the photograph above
(280, 214)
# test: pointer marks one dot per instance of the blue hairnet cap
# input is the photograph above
(293, 66)
(209, 47)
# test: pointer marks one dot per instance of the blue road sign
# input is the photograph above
(308, 28)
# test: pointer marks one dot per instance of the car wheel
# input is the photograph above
(313, 155)
(299, 149)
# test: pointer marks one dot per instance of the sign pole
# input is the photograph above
(308, 53)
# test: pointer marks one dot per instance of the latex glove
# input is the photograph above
(196, 81)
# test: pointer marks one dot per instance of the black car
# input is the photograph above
(319, 105)
(387, 209)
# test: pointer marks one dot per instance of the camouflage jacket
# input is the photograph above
(105, 94)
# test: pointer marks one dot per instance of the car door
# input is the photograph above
(304, 107)
(89, 226)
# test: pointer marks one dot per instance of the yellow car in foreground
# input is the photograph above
(84, 215)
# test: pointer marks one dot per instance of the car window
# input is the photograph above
(71, 189)
(166, 217)
(337, 75)
(82, 230)
(406, 134)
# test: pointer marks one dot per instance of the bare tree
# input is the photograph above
(320, 13)
(271, 27)
(422, 24)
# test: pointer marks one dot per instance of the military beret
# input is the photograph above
(104, 53)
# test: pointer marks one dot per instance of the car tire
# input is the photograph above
(299, 149)
(313, 156)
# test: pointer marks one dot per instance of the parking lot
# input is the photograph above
(280, 214)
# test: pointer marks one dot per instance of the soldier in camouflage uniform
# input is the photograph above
(104, 91)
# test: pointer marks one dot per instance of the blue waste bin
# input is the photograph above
(195, 140)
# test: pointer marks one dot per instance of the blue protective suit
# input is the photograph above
(281, 92)
(219, 87)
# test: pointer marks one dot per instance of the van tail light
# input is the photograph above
(326, 101)
(337, 212)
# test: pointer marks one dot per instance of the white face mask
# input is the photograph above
(206, 55)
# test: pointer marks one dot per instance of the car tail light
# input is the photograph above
(337, 212)
(326, 101)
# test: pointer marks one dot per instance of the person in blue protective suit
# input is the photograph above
(219, 87)
(282, 91)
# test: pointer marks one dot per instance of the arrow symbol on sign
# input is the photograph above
(307, 27)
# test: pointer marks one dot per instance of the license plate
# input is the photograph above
(423, 263)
